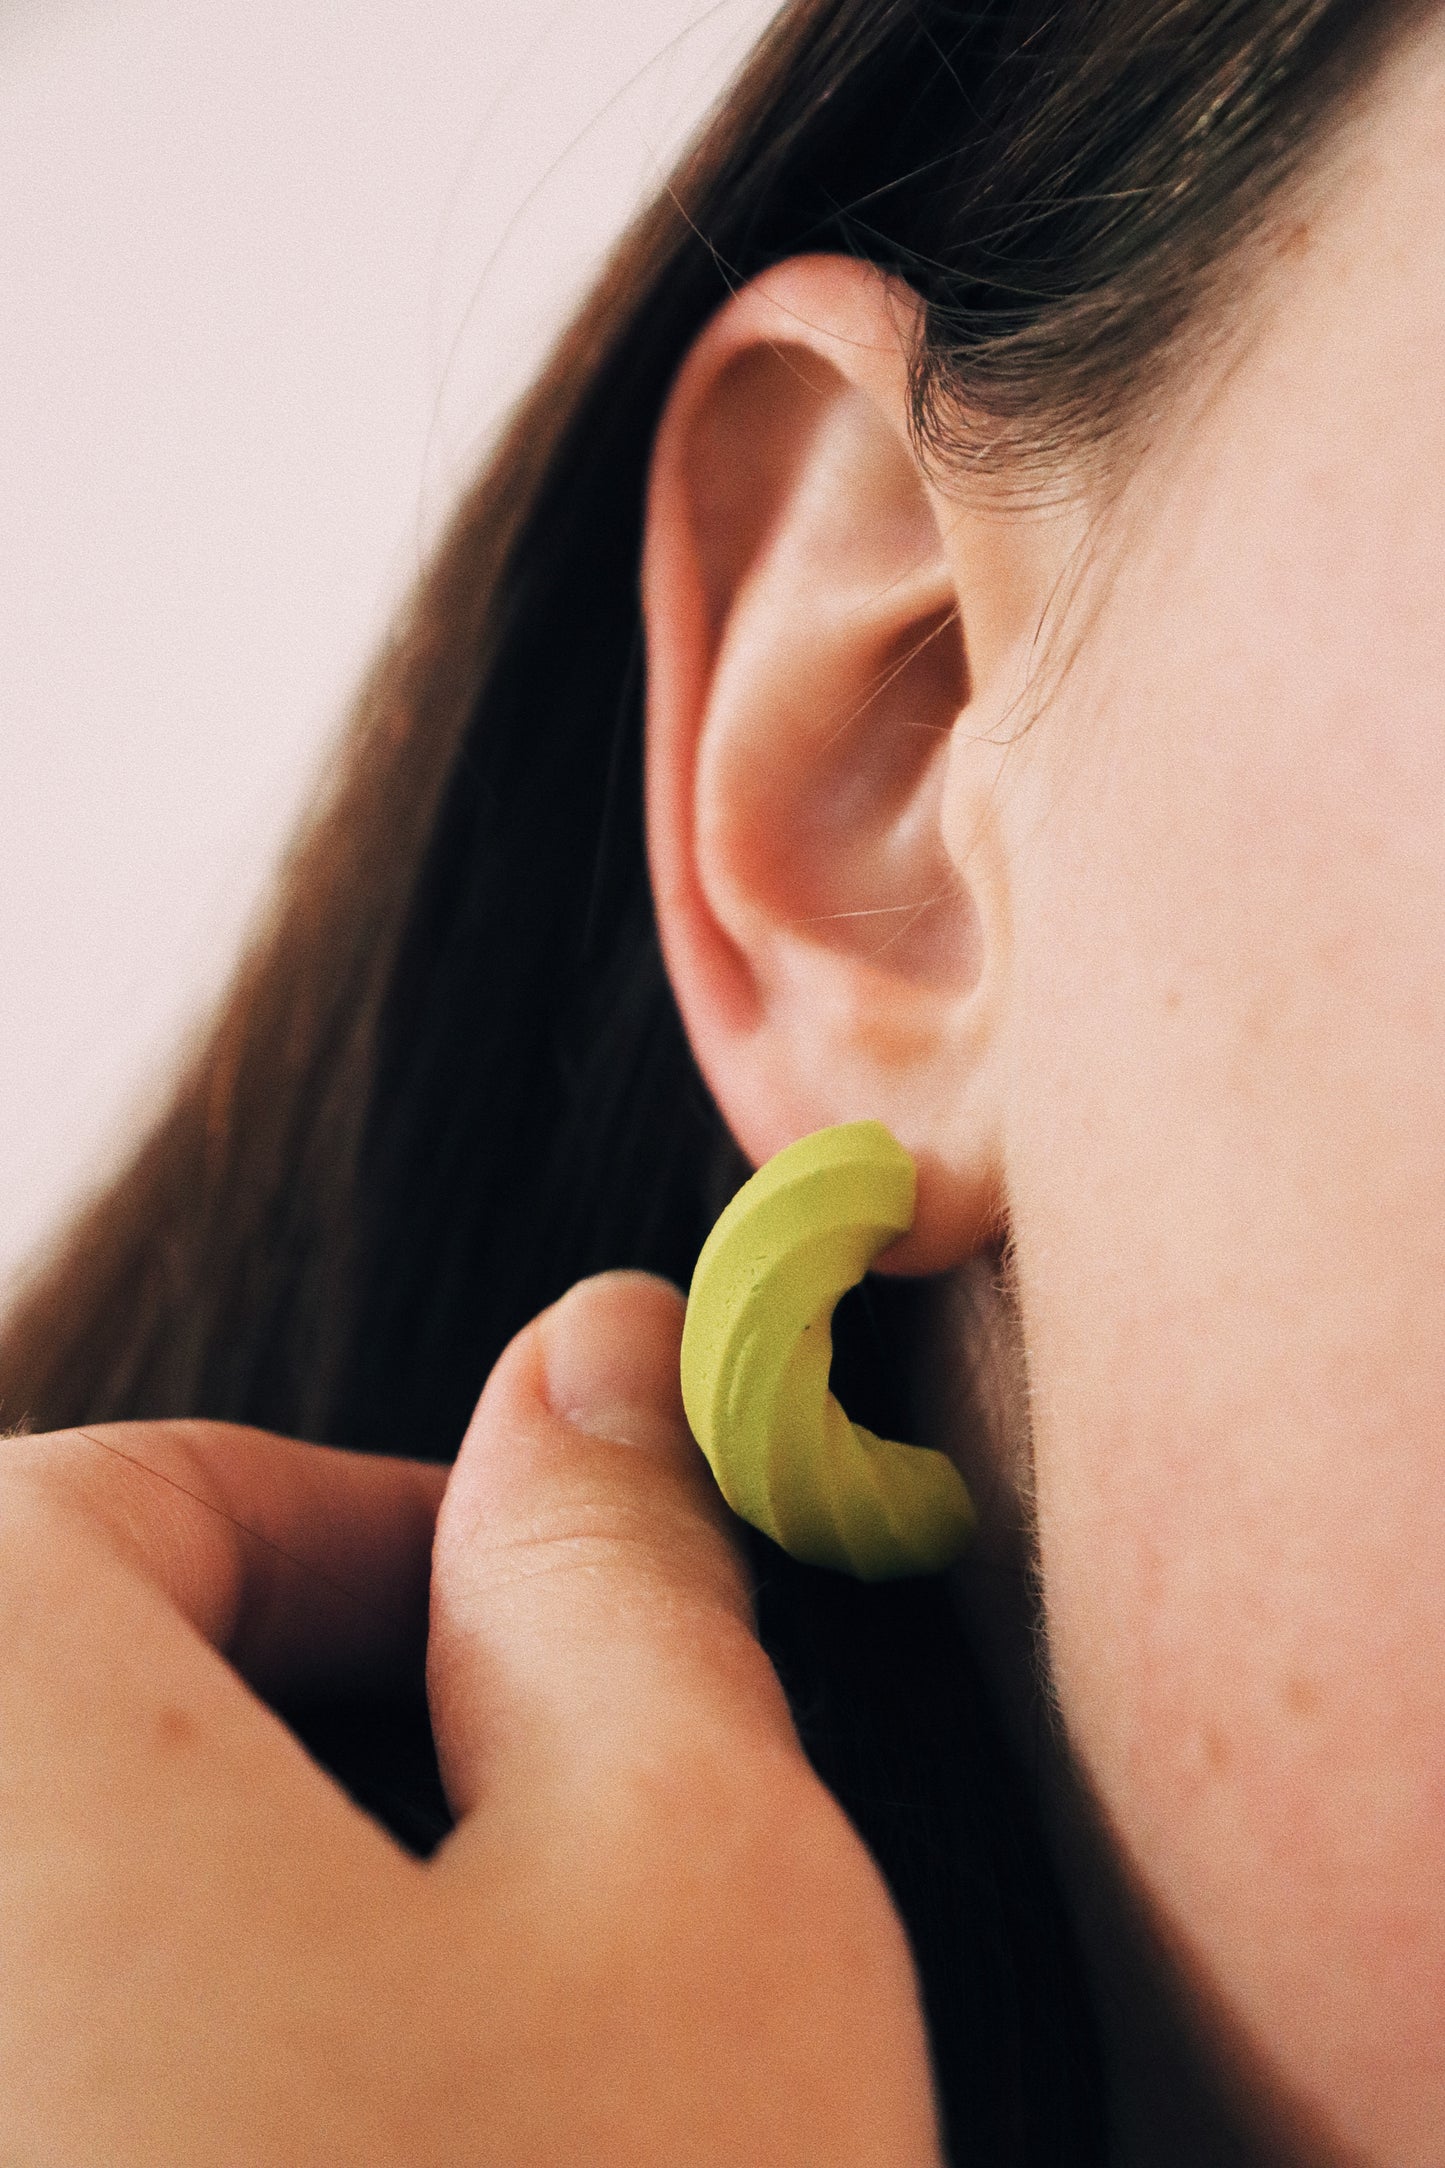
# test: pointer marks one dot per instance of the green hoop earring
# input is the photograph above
(756, 1350)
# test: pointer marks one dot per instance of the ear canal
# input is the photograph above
(756, 1351)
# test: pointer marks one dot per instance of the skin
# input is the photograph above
(1144, 958)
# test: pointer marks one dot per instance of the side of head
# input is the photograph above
(1082, 820)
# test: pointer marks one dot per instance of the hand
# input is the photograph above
(652, 1938)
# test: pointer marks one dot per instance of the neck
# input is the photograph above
(1169, 2106)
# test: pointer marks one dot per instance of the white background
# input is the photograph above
(270, 271)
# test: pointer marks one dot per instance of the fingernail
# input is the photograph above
(610, 1351)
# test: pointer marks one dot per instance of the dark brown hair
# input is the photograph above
(450, 1078)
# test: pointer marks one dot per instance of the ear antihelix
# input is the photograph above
(757, 1347)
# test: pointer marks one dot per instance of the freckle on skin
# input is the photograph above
(174, 1728)
(1301, 1696)
(1216, 1748)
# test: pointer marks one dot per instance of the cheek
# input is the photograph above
(1227, 1176)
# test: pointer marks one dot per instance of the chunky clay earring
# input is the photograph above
(756, 1350)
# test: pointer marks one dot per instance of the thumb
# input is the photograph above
(589, 1612)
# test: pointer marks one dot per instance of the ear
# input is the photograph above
(833, 647)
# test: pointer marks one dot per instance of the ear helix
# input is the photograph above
(756, 1350)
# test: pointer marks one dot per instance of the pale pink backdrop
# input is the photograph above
(269, 272)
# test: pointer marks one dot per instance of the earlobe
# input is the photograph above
(837, 954)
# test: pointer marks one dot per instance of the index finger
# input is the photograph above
(305, 1565)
